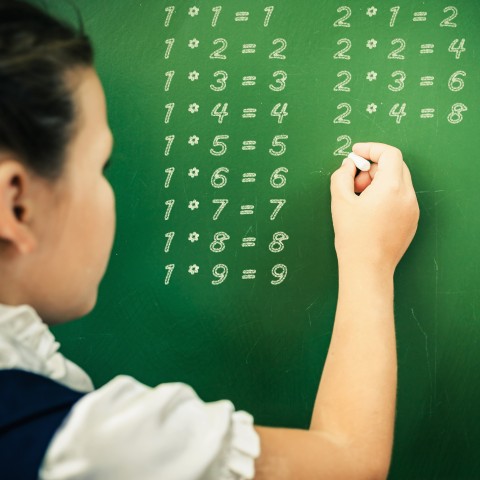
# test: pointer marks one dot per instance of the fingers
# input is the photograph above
(373, 170)
(362, 181)
(343, 179)
(407, 177)
(388, 165)
(389, 159)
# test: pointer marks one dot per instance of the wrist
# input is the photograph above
(358, 269)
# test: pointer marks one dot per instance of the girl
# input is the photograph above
(57, 223)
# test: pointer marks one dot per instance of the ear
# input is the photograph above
(16, 206)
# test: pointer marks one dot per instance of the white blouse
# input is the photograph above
(125, 429)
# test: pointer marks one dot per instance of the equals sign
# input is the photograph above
(426, 81)
(249, 145)
(427, 48)
(249, 274)
(427, 113)
(249, 242)
(248, 81)
(242, 16)
(247, 209)
(249, 48)
(249, 113)
(420, 17)
(249, 177)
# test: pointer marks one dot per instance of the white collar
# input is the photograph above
(26, 343)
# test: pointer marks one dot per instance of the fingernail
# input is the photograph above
(345, 160)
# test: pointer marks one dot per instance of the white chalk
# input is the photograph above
(361, 163)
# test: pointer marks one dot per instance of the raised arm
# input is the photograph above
(352, 426)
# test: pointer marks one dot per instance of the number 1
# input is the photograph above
(169, 140)
(169, 42)
(395, 11)
(170, 269)
(269, 11)
(169, 11)
(216, 11)
(169, 107)
(169, 76)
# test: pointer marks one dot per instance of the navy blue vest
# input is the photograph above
(32, 407)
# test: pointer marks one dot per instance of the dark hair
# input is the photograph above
(37, 109)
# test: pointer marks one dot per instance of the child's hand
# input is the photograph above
(376, 227)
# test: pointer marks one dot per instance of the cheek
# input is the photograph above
(98, 219)
(100, 231)
(108, 221)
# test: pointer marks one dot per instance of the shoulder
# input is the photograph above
(126, 429)
(26, 343)
(32, 408)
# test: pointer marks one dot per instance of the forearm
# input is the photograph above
(357, 392)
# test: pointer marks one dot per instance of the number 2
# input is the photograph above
(341, 86)
(448, 21)
(342, 118)
(340, 55)
(341, 21)
(340, 151)
(277, 54)
(218, 54)
(395, 54)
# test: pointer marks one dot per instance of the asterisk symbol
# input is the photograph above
(193, 172)
(193, 205)
(193, 43)
(193, 269)
(372, 43)
(193, 108)
(193, 11)
(193, 237)
(372, 108)
(193, 75)
(193, 140)
(372, 11)
(371, 76)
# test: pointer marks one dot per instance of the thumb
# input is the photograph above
(343, 179)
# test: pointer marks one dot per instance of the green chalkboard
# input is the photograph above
(282, 88)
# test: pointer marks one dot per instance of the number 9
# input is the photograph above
(219, 271)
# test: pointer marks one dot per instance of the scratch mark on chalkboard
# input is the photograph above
(308, 308)
(428, 356)
(249, 229)
(321, 172)
(429, 191)
(251, 350)
(376, 126)
(315, 301)
(133, 178)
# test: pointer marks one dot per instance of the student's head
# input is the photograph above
(57, 210)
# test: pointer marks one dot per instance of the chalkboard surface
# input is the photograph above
(229, 118)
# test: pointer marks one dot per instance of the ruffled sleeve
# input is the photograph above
(127, 430)
(243, 448)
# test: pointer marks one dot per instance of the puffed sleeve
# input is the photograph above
(127, 430)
